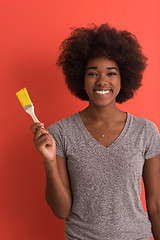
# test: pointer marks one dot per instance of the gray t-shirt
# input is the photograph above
(106, 182)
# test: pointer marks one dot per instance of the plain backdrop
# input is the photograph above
(30, 34)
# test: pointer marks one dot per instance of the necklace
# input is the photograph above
(102, 135)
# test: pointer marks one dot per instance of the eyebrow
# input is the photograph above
(109, 68)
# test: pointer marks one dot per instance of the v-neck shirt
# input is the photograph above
(106, 181)
(83, 128)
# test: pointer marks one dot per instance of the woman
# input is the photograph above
(95, 158)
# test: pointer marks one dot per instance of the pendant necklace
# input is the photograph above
(102, 135)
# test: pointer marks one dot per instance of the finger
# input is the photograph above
(38, 137)
(36, 126)
(40, 131)
(43, 141)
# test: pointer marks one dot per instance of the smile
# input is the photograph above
(102, 92)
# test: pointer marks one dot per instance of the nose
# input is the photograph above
(102, 79)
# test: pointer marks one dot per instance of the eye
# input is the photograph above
(92, 74)
(112, 74)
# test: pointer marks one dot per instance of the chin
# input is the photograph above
(101, 103)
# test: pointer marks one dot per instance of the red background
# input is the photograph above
(31, 32)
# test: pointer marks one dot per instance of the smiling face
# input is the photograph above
(102, 81)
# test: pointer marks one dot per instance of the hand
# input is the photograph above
(44, 142)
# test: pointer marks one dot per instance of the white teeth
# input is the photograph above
(102, 92)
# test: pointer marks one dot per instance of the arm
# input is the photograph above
(151, 178)
(58, 194)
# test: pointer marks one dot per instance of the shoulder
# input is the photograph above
(63, 125)
(143, 123)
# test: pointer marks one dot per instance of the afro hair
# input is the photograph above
(86, 43)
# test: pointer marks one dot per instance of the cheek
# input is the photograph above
(87, 83)
(87, 86)
(118, 82)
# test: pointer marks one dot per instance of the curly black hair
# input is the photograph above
(93, 41)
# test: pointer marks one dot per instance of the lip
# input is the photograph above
(102, 94)
(102, 89)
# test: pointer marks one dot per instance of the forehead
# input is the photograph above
(101, 62)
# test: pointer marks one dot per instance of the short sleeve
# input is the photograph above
(152, 140)
(55, 131)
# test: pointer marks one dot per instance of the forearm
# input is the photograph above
(57, 196)
(155, 221)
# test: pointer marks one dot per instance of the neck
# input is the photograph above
(103, 114)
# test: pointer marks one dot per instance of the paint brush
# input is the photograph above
(26, 103)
